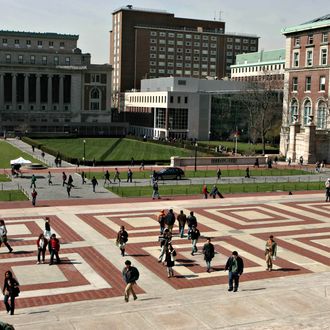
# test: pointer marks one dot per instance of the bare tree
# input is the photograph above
(263, 101)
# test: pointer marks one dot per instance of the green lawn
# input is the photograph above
(117, 149)
(12, 195)
(206, 173)
(8, 152)
(166, 190)
(242, 147)
(4, 178)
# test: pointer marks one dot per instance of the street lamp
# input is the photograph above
(84, 141)
(196, 145)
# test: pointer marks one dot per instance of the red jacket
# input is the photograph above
(54, 244)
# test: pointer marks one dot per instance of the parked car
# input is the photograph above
(169, 173)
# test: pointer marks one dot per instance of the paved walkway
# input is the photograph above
(85, 290)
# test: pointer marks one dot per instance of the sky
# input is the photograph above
(92, 20)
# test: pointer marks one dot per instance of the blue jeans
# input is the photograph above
(233, 277)
(208, 264)
(181, 231)
(194, 247)
(10, 308)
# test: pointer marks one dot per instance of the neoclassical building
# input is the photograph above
(306, 126)
(48, 85)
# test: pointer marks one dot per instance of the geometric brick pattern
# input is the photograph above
(301, 229)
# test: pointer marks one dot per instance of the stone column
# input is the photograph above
(26, 91)
(50, 89)
(2, 91)
(38, 99)
(14, 92)
(309, 142)
(294, 130)
(61, 91)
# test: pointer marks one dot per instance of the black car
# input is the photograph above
(169, 173)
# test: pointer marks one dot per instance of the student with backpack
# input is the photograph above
(130, 276)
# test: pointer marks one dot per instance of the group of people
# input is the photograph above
(213, 193)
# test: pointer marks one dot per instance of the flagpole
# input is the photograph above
(236, 141)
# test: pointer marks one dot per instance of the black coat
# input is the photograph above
(208, 251)
(240, 264)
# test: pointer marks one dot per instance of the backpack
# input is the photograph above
(136, 273)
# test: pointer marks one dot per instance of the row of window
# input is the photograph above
(245, 41)
(306, 112)
(238, 47)
(195, 73)
(308, 84)
(205, 65)
(171, 50)
(278, 77)
(29, 42)
(181, 43)
(259, 68)
(310, 39)
(21, 59)
(148, 99)
(181, 36)
(310, 61)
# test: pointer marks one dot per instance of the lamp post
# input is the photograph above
(84, 141)
(196, 145)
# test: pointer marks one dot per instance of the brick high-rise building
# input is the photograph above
(151, 44)
(305, 124)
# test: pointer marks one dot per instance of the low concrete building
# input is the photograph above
(175, 107)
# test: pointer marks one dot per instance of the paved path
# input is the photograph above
(85, 291)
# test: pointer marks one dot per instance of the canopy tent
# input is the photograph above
(20, 161)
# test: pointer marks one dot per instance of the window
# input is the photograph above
(153, 41)
(20, 59)
(321, 119)
(51, 44)
(162, 34)
(324, 56)
(197, 37)
(229, 46)
(67, 61)
(186, 99)
(171, 99)
(32, 59)
(16, 42)
(8, 58)
(179, 99)
(95, 78)
(325, 37)
(162, 41)
(44, 60)
(153, 33)
(28, 42)
(95, 99)
(308, 83)
(295, 84)
(56, 60)
(171, 35)
(297, 41)
(322, 84)
(237, 40)
(310, 39)
(309, 58)
(4, 41)
(296, 59)
(62, 44)
(229, 39)
(179, 35)
(179, 42)
(188, 36)
(307, 112)
(293, 110)
(39, 43)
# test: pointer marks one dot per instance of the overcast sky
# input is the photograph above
(92, 20)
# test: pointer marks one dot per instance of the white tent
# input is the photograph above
(20, 161)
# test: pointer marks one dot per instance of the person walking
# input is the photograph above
(129, 175)
(47, 232)
(182, 219)
(63, 178)
(130, 276)
(68, 188)
(34, 195)
(50, 182)
(219, 174)
(235, 266)
(191, 221)
(142, 165)
(327, 190)
(208, 251)
(54, 247)
(70, 181)
(10, 291)
(83, 177)
(165, 240)
(194, 239)
(205, 192)
(122, 238)
(33, 181)
(215, 192)
(94, 183)
(161, 220)
(42, 243)
(170, 220)
(270, 252)
(155, 190)
(116, 176)
(3, 236)
(170, 255)
(247, 172)
(107, 177)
